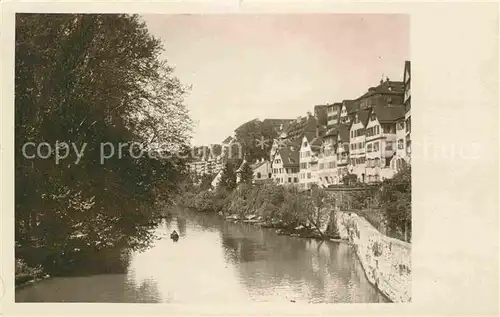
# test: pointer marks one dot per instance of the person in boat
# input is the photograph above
(174, 235)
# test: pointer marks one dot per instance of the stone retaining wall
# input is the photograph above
(386, 261)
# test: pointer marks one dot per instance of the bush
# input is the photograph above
(23, 269)
(204, 201)
(396, 202)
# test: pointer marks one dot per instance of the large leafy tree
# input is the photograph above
(89, 80)
(256, 139)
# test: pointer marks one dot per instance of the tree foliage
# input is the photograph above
(246, 173)
(319, 210)
(93, 79)
(396, 202)
(255, 138)
(206, 181)
(228, 177)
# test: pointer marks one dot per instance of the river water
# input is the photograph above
(217, 261)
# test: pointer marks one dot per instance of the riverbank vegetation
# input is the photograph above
(90, 80)
(386, 206)
(282, 207)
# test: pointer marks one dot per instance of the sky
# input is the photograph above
(277, 66)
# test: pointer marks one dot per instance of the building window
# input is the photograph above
(408, 125)
(308, 175)
(377, 130)
(369, 147)
(258, 175)
(372, 117)
(375, 146)
(295, 180)
(289, 179)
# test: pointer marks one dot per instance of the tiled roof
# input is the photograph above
(307, 125)
(257, 165)
(290, 156)
(386, 87)
(389, 114)
(315, 142)
(363, 116)
(351, 106)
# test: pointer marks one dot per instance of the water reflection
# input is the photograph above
(181, 225)
(216, 261)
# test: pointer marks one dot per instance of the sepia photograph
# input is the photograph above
(213, 158)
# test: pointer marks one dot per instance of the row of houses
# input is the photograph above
(210, 159)
(368, 137)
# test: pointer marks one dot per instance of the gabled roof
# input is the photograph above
(389, 114)
(363, 116)
(289, 156)
(315, 141)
